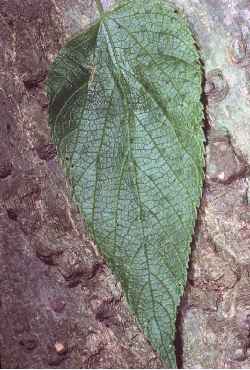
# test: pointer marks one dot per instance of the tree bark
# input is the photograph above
(60, 305)
(215, 314)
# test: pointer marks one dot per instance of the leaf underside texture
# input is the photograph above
(126, 116)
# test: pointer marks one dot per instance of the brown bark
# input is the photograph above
(60, 305)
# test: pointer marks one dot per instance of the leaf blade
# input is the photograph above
(136, 154)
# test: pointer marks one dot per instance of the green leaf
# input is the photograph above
(126, 116)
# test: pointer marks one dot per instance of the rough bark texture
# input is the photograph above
(215, 315)
(60, 306)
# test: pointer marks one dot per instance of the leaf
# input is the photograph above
(126, 116)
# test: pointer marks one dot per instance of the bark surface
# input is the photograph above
(60, 305)
(215, 315)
